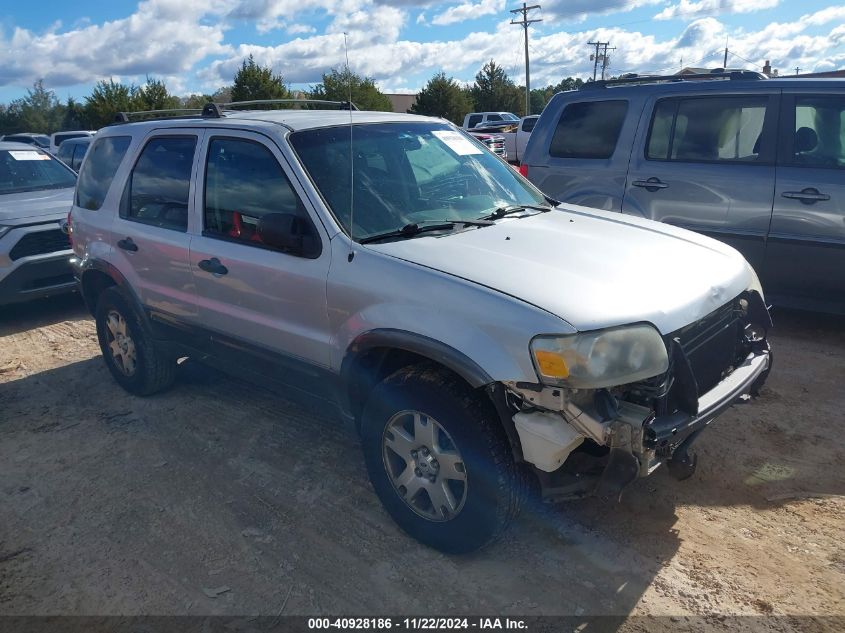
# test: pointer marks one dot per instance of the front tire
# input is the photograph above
(439, 459)
(130, 353)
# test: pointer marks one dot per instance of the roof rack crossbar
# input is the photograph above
(216, 110)
(126, 117)
(733, 75)
(341, 105)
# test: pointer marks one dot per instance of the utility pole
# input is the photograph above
(524, 23)
(604, 60)
(595, 57)
(725, 64)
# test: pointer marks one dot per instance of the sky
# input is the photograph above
(196, 46)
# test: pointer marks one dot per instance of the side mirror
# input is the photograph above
(290, 234)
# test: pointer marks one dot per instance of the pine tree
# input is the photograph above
(443, 97)
(365, 95)
(254, 81)
(495, 91)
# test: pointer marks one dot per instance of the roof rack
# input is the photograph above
(340, 105)
(633, 79)
(126, 117)
(217, 110)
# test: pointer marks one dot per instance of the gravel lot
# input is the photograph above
(218, 497)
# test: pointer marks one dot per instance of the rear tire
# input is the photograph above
(439, 459)
(131, 355)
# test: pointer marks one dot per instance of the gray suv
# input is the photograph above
(36, 193)
(756, 163)
(478, 337)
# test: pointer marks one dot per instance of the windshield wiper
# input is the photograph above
(415, 228)
(513, 208)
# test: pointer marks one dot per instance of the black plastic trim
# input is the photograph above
(439, 352)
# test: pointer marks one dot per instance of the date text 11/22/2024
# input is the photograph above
(417, 623)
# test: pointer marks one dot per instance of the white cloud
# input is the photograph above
(691, 8)
(579, 10)
(298, 29)
(468, 11)
(163, 37)
(824, 16)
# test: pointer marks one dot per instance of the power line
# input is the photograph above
(524, 24)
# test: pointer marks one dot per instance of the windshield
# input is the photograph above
(407, 173)
(31, 170)
(507, 116)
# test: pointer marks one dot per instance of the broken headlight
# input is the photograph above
(604, 358)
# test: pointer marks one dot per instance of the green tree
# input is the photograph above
(196, 102)
(495, 91)
(253, 81)
(9, 119)
(38, 111)
(74, 116)
(443, 97)
(106, 100)
(365, 95)
(153, 95)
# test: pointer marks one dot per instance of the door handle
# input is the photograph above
(127, 244)
(212, 266)
(652, 184)
(806, 196)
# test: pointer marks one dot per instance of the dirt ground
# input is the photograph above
(218, 497)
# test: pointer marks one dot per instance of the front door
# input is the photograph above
(706, 163)
(254, 297)
(150, 233)
(805, 260)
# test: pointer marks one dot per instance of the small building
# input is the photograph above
(401, 102)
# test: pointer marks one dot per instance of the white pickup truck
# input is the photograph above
(515, 133)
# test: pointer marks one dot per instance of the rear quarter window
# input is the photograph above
(98, 173)
(589, 129)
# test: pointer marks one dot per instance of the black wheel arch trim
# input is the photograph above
(430, 348)
(108, 269)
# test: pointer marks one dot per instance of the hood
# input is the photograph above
(591, 268)
(29, 206)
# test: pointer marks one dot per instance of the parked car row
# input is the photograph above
(478, 330)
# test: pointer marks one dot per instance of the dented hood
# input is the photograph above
(591, 268)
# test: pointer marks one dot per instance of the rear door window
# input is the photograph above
(589, 129)
(160, 183)
(708, 129)
(819, 139)
(94, 181)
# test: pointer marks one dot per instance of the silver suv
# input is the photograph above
(36, 193)
(756, 163)
(478, 336)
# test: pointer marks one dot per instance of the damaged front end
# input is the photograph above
(582, 440)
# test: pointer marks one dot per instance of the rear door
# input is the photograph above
(252, 296)
(583, 157)
(805, 259)
(150, 235)
(705, 162)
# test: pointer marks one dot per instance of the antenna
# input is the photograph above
(351, 156)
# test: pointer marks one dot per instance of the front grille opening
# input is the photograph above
(47, 282)
(40, 243)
